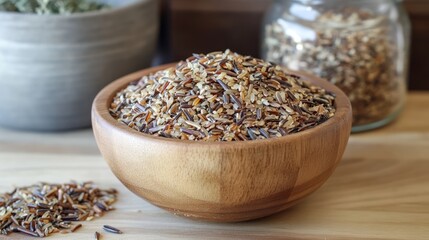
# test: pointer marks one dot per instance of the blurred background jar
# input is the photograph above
(362, 46)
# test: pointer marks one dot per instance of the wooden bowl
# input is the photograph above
(221, 181)
(52, 66)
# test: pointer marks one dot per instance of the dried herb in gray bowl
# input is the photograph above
(51, 6)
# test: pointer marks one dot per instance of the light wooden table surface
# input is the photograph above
(379, 191)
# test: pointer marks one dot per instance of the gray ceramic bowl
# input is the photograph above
(52, 66)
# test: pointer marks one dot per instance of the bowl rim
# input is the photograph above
(89, 14)
(101, 114)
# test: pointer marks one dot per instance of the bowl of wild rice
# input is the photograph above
(222, 137)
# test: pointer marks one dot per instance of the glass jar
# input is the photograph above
(362, 46)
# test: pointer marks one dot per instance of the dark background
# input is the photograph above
(202, 26)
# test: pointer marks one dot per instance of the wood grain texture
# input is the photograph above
(212, 25)
(214, 6)
(221, 181)
(419, 14)
(379, 191)
(80, 141)
(52, 66)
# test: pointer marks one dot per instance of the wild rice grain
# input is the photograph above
(111, 229)
(76, 227)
